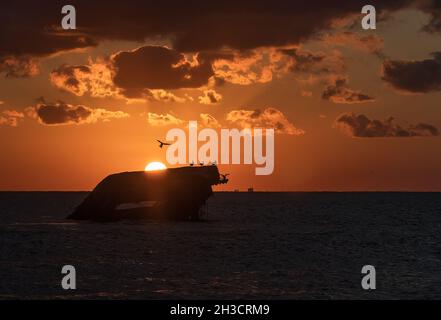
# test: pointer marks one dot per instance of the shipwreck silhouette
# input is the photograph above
(176, 193)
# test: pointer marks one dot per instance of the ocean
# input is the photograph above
(248, 246)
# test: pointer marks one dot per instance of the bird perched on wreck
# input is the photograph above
(223, 178)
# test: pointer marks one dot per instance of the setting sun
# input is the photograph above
(154, 166)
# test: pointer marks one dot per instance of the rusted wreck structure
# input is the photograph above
(176, 193)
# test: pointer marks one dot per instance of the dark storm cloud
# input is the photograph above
(339, 92)
(414, 76)
(155, 67)
(362, 127)
(33, 27)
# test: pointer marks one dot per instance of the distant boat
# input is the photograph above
(250, 189)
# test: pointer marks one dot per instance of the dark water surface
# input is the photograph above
(251, 245)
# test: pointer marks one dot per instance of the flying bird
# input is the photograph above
(161, 144)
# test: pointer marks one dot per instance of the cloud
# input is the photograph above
(10, 118)
(71, 78)
(166, 96)
(371, 43)
(210, 97)
(265, 64)
(153, 72)
(362, 127)
(18, 67)
(414, 76)
(61, 113)
(167, 119)
(195, 26)
(302, 61)
(206, 120)
(209, 121)
(150, 72)
(268, 118)
(310, 68)
(32, 29)
(94, 78)
(138, 73)
(339, 92)
(156, 67)
(245, 68)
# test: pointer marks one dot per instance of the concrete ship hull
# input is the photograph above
(176, 194)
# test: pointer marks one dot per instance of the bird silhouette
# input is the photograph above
(161, 144)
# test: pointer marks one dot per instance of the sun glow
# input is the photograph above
(154, 166)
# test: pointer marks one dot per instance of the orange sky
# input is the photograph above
(117, 127)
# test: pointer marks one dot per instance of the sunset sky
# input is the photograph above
(353, 109)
